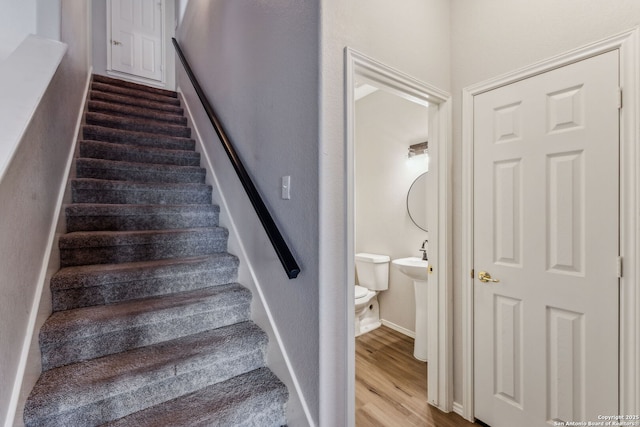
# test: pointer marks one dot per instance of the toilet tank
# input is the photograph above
(373, 271)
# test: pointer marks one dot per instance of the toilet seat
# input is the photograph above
(361, 291)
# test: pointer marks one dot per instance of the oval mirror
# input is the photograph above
(417, 203)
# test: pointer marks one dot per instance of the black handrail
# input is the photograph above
(284, 253)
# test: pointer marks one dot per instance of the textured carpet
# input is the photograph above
(149, 327)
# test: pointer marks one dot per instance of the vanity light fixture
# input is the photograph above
(417, 149)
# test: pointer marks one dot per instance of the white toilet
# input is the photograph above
(373, 276)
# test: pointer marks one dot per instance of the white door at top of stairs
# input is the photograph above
(546, 229)
(136, 34)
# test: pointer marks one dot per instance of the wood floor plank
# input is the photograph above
(391, 385)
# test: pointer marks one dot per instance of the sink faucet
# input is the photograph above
(423, 249)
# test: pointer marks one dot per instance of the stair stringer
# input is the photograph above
(42, 300)
(298, 413)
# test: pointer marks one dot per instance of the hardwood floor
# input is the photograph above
(391, 386)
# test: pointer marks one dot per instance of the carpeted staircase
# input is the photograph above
(149, 328)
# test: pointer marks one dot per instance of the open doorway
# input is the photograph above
(362, 70)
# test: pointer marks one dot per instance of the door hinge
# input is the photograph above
(619, 98)
(473, 273)
(619, 269)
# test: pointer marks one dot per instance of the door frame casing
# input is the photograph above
(627, 43)
(440, 299)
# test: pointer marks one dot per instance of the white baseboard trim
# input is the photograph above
(458, 409)
(398, 328)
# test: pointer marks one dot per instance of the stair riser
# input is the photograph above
(141, 222)
(136, 102)
(110, 293)
(137, 125)
(128, 112)
(59, 352)
(142, 197)
(148, 395)
(138, 139)
(112, 151)
(169, 248)
(134, 93)
(140, 174)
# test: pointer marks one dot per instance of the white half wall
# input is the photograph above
(30, 191)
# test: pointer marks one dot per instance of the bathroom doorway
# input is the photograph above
(363, 75)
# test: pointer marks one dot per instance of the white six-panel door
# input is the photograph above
(136, 37)
(546, 190)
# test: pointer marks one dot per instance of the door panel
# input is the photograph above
(546, 153)
(136, 37)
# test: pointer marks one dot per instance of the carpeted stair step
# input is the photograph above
(136, 102)
(132, 153)
(123, 83)
(127, 111)
(137, 124)
(256, 398)
(89, 285)
(109, 388)
(110, 247)
(85, 333)
(86, 190)
(135, 93)
(111, 217)
(138, 172)
(144, 139)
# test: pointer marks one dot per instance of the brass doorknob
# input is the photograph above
(486, 277)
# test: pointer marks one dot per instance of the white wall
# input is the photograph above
(492, 37)
(17, 21)
(412, 36)
(30, 190)
(258, 64)
(386, 125)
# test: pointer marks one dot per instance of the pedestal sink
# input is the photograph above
(418, 270)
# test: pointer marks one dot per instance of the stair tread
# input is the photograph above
(140, 154)
(121, 164)
(136, 102)
(158, 186)
(90, 190)
(98, 274)
(119, 110)
(89, 321)
(222, 404)
(91, 239)
(119, 82)
(137, 124)
(135, 137)
(100, 209)
(73, 386)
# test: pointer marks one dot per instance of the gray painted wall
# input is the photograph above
(258, 64)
